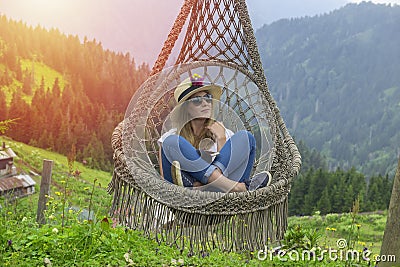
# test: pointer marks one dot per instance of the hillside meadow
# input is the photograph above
(80, 233)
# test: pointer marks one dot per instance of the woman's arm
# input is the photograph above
(218, 130)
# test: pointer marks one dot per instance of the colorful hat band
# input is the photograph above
(188, 91)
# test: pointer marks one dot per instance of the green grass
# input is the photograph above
(68, 239)
(11, 89)
(31, 158)
(366, 229)
(40, 70)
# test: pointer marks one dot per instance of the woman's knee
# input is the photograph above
(171, 140)
(246, 135)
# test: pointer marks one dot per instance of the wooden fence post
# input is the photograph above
(44, 190)
(390, 249)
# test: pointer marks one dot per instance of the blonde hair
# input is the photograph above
(187, 133)
(181, 121)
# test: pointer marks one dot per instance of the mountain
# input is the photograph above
(66, 95)
(138, 26)
(334, 76)
(336, 80)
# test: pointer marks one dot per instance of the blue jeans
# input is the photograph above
(235, 159)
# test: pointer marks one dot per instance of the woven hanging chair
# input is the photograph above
(220, 45)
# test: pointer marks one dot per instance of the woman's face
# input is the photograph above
(200, 105)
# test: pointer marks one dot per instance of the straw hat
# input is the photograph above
(193, 85)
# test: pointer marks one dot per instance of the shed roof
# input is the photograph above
(7, 152)
(18, 181)
(10, 183)
(26, 179)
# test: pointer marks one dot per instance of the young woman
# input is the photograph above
(200, 151)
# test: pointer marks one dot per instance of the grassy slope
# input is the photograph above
(31, 158)
(40, 70)
(147, 252)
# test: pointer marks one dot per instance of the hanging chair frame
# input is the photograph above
(234, 221)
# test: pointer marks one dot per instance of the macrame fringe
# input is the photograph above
(198, 233)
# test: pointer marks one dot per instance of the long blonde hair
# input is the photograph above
(187, 133)
(181, 121)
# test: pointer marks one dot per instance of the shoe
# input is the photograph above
(259, 180)
(176, 173)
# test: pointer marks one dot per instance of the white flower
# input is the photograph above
(180, 261)
(173, 261)
(47, 261)
(24, 219)
(55, 230)
(126, 256)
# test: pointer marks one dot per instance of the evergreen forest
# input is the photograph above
(335, 78)
(64, 92)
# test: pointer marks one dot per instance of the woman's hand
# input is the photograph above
(218, 130)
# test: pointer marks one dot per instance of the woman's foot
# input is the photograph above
(259, 180)
(239, 187)
(218, 180)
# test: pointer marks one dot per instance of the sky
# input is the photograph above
(140, 27)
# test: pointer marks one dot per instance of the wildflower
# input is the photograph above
(52, 217)
(204, 254)
(47, 262)
(358, 226)
(24, 219)
(63, 182)
(58, 193)
(173, 261)
(328, 228)
(126, 256)
(86, 188)
(55, 230)
(70, 211)
(9, 242)
(180, 261)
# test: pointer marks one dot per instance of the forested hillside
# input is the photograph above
(318, 190)
(336, 79)
(64, 92)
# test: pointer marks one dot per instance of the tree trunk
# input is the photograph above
(391, 237)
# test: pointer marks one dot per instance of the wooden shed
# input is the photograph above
(17, 186)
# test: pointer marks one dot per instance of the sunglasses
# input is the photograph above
(197, 100)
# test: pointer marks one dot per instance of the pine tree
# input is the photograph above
(324, 203)
(3, 106)
(296, 196)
